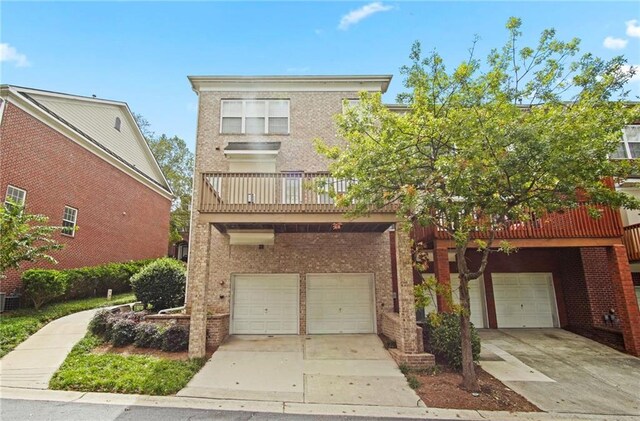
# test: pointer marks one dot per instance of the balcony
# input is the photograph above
(631, 240)
(572, 224)
(287, 192)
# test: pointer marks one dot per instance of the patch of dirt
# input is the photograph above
(442, 390)
(133, 350)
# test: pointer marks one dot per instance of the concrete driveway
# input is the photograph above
(324, 369)
(562, 372)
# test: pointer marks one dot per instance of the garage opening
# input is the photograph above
(340, 303)
(524, 300)
(265, 304)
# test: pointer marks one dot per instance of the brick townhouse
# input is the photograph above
(83, 163)
(270, 254)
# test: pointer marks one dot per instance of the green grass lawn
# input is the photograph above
(18, 325)
(87, 372)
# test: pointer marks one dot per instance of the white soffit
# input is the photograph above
(251, 237)
(324, 83)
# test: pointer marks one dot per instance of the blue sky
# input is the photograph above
(142, 52)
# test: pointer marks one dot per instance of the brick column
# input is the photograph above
(443, 276)
(625, 298)
(406, 340)
(198, 276)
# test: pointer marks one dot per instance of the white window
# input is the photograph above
(69, 218)
(254, 116)
(332, 186)
(349, 103)
(630, 145)
(14, 196)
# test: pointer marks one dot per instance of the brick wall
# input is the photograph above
(576, 297)
(217, 325)
(311, 116)
(118, 219)
(299, 253)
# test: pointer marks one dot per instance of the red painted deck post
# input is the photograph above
(625, 298)
(443, 276)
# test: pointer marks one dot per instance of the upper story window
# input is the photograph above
(630, 145)
(69, 218)
(254, 116)
(117, 124)
(14, 196)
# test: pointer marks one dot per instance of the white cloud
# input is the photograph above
(10, 54)
(365, 11)
(633, 29)
(636, 76)
(615, 43)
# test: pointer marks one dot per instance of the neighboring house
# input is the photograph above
(271, 254)
(180, 249)
(83, 163)
(630, 149)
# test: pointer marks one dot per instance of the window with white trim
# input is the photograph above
(14, 195)
(630, 145)
(254, 116)
(69, 218)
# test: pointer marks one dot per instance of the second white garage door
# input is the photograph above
(340, 303)
(265, 304)
(524, 299)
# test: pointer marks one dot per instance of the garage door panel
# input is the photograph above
(476, 299)
(340, 303)
(265, 304)
(523, 299)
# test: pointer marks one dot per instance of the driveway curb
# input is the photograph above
(291, 408)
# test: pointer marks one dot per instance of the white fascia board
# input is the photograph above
(371, 83)
(251, 237)
(16, 99)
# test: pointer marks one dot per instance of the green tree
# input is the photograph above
(529, 130)
(176, 162)
(24, 238)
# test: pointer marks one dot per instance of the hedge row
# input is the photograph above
(43, 285)
(129, 328)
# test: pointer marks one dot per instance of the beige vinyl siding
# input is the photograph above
(97, 120)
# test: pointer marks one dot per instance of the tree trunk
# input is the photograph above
(469, 378)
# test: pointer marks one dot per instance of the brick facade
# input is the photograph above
(302, 254)
(118, 218)
(585, 281)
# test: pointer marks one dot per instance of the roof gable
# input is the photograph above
(95, 120)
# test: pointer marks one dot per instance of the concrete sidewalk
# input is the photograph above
(33, 362)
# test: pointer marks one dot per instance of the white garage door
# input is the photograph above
(340, 303)
(265, 304)
(524, 299)
(476, 295)
(476, 298)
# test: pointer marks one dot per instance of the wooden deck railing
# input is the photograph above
(631, 240)
(293, 192)
(574, 223)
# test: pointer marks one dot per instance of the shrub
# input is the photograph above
(123, 332)
(99, 322)
(148, 336)
(444, 339)
(160, 284)
(42, 286)
(175, 339)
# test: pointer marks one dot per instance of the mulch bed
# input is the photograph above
(151, 352)
(442, 390)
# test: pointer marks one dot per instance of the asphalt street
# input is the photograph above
(14, 409)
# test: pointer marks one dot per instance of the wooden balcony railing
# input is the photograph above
(574, 223)
(293, 192)
(631, 240)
